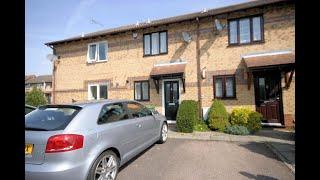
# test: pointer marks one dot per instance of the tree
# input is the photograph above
(35, 97)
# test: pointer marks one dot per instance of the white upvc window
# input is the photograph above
(97, 52)
(97, 91)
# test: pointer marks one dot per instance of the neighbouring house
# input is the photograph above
(43, 82)
(243, 54)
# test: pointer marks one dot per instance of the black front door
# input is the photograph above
(268, 96)
(171, 99)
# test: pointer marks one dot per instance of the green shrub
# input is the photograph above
(151, 107)
(187, 116)
(201, 126)
(35, 97)
(237, 130)
(254, 122)
(240, 116)
(219, 124)
(218, 116)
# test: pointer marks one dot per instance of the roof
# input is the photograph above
(39, 79)
(27, 77)
(167, 69)
(269, 59)
(175, 19)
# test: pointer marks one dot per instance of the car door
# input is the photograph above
(115, 124)
(145, 122)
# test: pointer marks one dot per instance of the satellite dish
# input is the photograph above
(186, 37)
(218, 25)
(52, 57)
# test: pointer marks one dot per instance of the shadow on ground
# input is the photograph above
(136, 157)
(172, 127)
(287, 150)
(256, 177)
(259, 148)
(276, 133)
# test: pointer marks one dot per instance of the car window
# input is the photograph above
(27, 110)
(112, 113)
(50, 118)
(138, 110)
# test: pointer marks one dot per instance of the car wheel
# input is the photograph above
(105, 167)
(164, 133)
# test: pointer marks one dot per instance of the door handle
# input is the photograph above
(138, 125)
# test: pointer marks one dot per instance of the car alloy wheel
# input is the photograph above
(106, 168)
(164, 132)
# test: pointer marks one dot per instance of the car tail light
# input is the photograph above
(64, 142)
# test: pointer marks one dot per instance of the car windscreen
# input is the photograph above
(50, 118)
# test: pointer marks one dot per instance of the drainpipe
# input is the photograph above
(198, 68)
(53, 76)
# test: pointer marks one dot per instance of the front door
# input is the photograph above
(268, 96)
(171, 99)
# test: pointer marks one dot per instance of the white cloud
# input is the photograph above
(77, 14)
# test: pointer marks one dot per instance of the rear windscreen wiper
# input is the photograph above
(35, 129)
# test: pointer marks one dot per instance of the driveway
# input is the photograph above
(194, 159)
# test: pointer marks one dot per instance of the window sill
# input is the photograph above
(155, 54)
(226, 98)
(94, 62)
(142, 100)
(246, 44)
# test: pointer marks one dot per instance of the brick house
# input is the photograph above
(44, 82)
(243, 54)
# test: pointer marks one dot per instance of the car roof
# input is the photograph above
(95, 102)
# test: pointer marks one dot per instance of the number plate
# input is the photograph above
(28, 149)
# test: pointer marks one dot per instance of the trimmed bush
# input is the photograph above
(218, 124)
(240, 116)
(201, 126)
(151, 107)
(187, 116)
(254, 122)
(218, 116)
(237, 130)
(35, 97)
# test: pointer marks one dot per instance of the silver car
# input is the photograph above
(88, 140)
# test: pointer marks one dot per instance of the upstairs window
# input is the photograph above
(97, 52)
(155, 43)
(224, 87)
(246, 30)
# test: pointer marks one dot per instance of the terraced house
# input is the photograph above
(243, 54)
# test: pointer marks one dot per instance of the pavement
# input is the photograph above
(193, 159)
(280, 141)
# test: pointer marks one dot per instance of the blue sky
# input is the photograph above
(50, 20)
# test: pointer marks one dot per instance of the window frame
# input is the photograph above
(159, 45)
(134, 90)
(251, 30)
(98, 90)
(97, 57)
(224, 92)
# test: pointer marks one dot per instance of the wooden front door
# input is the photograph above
(268, 96)
(171, 99)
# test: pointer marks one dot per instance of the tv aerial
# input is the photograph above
(186, 37)
(52, 57)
